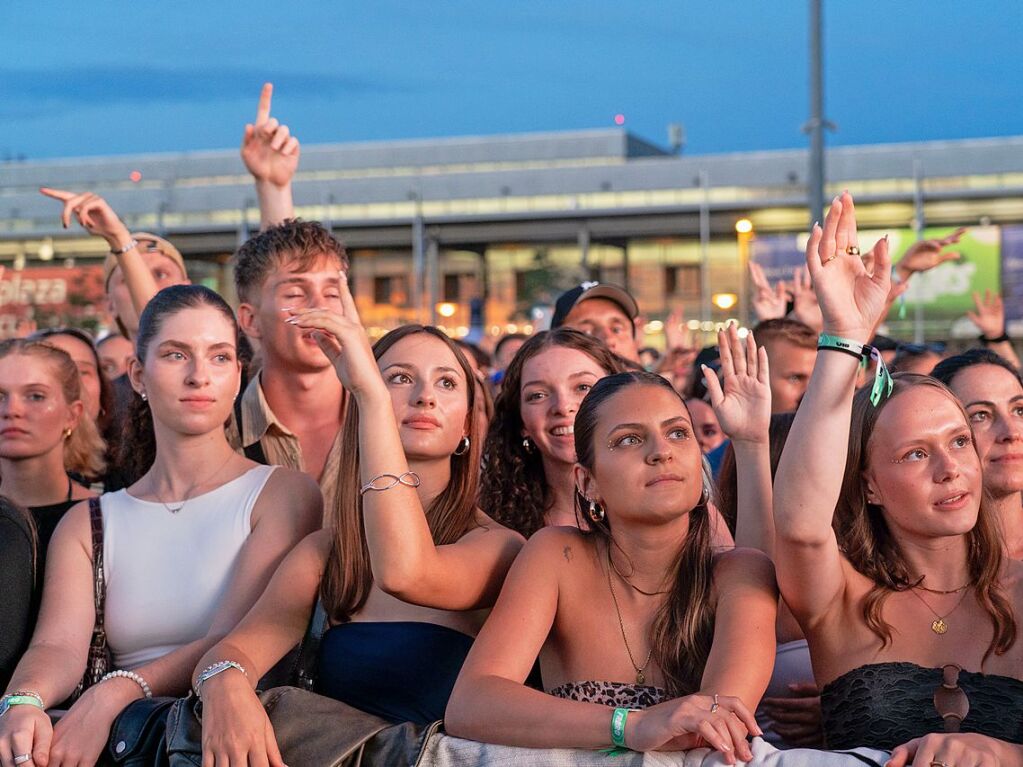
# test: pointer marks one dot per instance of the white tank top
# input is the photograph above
(166, 573)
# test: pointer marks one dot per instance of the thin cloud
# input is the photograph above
(36, 92)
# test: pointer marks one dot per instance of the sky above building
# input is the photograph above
(119, 77)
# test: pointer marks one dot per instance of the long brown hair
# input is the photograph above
(870, 547)
(514, 488)
(347, 578)
(683, 628)
(84, 447)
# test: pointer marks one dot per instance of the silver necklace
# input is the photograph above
(175, 509)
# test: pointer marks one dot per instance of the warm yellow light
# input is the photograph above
(724, 300)
(446, 309)
(744, 226)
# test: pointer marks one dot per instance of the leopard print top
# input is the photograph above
(612, 694)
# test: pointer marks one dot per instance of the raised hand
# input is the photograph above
(852, 300)
(804, 302)
(768, 303)
(681, 349)
(990, 315)
(93, 213)
(269, 150)
(743, 406)
(927, 254)
(343, 339)
(677, 724)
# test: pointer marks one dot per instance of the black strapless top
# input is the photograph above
(883, 705)
(402, 671)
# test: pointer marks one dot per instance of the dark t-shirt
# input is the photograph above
(19, 602)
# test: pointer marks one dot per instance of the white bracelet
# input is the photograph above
(212, 670)
(136, 678)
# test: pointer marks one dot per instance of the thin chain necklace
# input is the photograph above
(939, 591)
(938, 625)
(179, 507)
(628, 582)
(640, 676)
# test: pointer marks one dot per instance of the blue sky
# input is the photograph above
(125, 77)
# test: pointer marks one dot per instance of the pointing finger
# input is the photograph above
(263, 112)
(56, 194)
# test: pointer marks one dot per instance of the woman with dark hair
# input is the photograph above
(185, 550)
(97, 393)
(405, 568)
(646, 638)
(991, 391)
(18, 587)
(907, 601)
(530, 450)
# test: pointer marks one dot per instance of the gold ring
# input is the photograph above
(852, 250)
(828, 260)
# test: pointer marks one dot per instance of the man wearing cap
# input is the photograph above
(602, 310)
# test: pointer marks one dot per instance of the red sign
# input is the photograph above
(52, 296)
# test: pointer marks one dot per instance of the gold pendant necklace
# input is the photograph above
(640, 676)
(630, 583)
(939, 625)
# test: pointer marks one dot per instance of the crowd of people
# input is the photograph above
(803, 538)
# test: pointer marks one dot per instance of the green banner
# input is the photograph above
(946, 291)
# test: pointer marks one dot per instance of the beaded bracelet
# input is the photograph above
(136, 678)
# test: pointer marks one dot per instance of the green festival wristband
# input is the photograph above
(618, 726)
(19, 700)
(883, 383)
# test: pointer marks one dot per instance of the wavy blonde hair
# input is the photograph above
(84, 448)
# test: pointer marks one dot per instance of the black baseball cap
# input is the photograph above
(567, 300)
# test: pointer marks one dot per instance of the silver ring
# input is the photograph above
(22, 758)
(714, 706)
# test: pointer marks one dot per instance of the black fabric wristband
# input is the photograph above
(1004, 337)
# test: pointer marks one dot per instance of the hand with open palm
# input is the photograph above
(742, 401)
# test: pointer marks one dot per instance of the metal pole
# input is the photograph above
(705, 310)
(418, 257)
(918, 225)
(815, 126)
(432, 277)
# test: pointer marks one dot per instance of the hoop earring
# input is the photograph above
(527, 445)
(67, 432)
(705, 496)
(463, 447)
(596, 512)
(144, 396)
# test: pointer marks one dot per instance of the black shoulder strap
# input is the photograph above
(305, 668)
(253, 452)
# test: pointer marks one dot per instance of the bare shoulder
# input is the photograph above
(290, 493)
(488, 526)
(75, 527)
(743, 567)
(559, 545)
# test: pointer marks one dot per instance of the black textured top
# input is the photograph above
(883, 705)
(18, 597)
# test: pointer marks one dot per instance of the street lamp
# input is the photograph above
(744, 236)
